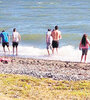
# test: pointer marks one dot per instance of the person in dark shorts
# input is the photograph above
(5, 40)
(84, 45)
(55, 44)
(15, 44)
(56, 35)
(16, 38)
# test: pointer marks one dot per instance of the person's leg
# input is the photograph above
(3, 45)
(48, 45)
(57, 50)
(8, 50)
(57, 46)
(13, 50)
(86, 51)
(4, 50)
(48, 51)
(85, 58)
(13, 45)
(83, 53)
(16, 44)
(53, 50)
(53, 46)
(16, 50)
(81, 58)
(7, 44)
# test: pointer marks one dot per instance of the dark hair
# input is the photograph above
(3, 31)
(49, 29)
(14, 29)
(84, 41)
(56, 27)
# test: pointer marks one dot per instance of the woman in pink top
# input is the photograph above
(84, 45)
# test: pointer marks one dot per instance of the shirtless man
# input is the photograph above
(56, 35)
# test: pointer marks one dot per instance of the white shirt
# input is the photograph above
(49, 37)
(15, 37)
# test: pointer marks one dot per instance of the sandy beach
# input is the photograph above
(57, 70)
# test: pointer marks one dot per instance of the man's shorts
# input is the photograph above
(5, 44)
(55, 44)
(84, 51)
(49, 46)
(15, 44)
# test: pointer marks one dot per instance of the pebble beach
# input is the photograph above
(54, 69)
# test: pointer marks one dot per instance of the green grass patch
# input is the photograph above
(21, 87)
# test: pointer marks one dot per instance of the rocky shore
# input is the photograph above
(57, 70)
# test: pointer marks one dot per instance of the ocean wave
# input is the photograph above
(66, 36)
(34, 7)
(65, 53)
(33, 37)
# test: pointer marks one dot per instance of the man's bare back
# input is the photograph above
(56, 35)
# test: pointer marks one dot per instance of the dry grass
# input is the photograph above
(21, 87)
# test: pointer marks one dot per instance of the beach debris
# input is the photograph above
(5, 60)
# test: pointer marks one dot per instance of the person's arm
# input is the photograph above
(12, 37)
(9, 37)
(52, 33)
(19, 36)
(60, 37)
(80, 45)
(88, 42)
(46, 38)
(0, 39)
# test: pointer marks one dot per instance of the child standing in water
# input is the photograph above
(84, 45)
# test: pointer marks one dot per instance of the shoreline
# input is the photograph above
(54, 69)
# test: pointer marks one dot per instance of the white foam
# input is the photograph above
(65, 53)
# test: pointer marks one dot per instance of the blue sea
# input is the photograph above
(32, 18)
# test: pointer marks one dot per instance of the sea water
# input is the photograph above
(32, 18)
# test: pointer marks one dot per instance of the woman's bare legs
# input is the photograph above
(81, 58)
(85, 58)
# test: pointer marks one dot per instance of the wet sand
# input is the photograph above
(57, 70)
